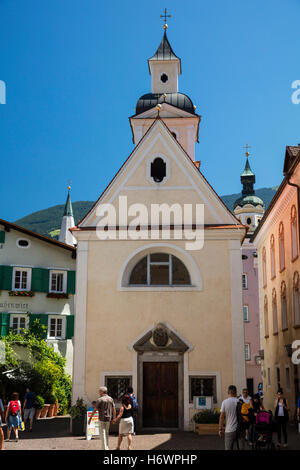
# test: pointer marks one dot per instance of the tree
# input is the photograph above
(30, 361)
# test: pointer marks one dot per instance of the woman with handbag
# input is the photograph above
(281, 416)
(13, 416)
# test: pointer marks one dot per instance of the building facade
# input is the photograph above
(249, 209)
(151, 311)
(277, 241)
(37, 281)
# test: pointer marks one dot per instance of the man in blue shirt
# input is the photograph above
(28, 407)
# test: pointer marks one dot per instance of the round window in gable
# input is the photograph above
(164, 78)
(249, 221)
(158, 170)
(23, 243)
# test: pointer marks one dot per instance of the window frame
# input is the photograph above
(245, 276)
(266, 317)
(65, 275)
(248, 349)
(28, 280)
(18, 316)
(296, 292)
(200, 376)
(63, 327)
(168, 263)
(264, 266)
(272, 257)
(247, 309)
(274, 311)
(294, 234)
(284, 310)
(117, 376)
(281, 247)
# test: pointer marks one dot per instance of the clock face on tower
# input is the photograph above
(164, 78)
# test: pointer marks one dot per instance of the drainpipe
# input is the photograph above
(296, 376)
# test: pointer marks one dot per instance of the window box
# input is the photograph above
(57, 295)
(21, 293)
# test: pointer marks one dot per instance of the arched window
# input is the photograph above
(296, 299)
(272, 256)
(159, 269)
(264, 266)
(274, 309)
(281, 247)
(266, 317)
(294, 233)
(284, 320)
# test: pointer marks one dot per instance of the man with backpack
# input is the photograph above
(135, 406)
(28, 407)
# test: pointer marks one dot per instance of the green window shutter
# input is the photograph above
(4, 323)
(70, 327)
(2, 236)
(6, 277)
(71, 282)
(40, 280)
(39, 316)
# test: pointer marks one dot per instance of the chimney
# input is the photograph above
(197, 164)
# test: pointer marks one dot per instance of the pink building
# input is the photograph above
(249, 209)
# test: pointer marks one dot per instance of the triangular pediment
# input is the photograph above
(160, 338)
(183, 184)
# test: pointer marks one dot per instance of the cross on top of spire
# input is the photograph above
(247, 147)
(165, 16)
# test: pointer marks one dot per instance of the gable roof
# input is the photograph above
(10, 226)
(234, 219)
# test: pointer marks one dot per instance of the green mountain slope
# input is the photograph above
(48, 221)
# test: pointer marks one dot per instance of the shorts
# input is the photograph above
(29, 413)
(126, 426)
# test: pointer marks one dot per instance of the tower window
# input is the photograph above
(164, 78)
(158, 170)
(249, 221)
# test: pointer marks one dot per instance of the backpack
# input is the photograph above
(244, 414)
(14, 408)
(135, 405)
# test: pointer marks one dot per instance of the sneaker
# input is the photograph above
(278, 445)
(285, 445)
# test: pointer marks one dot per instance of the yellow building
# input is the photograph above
(153, 310)
(277, 242)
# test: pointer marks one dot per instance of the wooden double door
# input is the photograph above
(160, 394)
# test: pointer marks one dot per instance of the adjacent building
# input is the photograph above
(250, 209)
(277, 242)
(37, 280)
(150, 311)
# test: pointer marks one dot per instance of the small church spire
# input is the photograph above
(67, 222)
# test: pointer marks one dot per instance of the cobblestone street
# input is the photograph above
(54, 434)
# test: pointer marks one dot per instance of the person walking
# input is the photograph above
(1, 424)
(135, 407)
(28, 408)
(13, 416)
(257, 406)
(229, 411)
(126, 427)
(281, 416)
(107, 413)
(245, 398)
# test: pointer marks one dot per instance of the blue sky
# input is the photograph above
(74, 70)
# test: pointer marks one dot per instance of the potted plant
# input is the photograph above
(45, 410)
(206, 422)
(78, 415)
(56, 408)
(40, 402)
(52, 401)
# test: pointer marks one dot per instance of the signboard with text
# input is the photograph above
(92, 429)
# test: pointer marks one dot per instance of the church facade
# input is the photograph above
(153, 310)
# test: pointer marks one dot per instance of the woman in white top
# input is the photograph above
(281, 416)
(13, 416)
